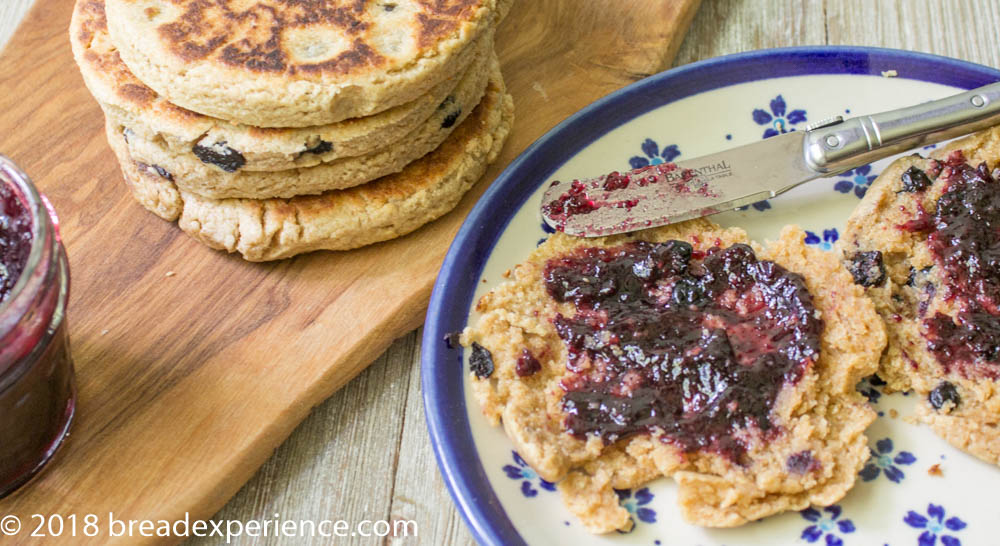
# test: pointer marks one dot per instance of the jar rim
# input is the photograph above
(10, 173)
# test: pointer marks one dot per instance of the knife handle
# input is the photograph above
(840, 145)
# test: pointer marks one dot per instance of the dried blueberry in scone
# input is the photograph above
(683, 351)
(935, 225)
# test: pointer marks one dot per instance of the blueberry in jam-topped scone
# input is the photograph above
(925, 244)
(682, 351)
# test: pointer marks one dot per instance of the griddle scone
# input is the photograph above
(682, 351)
(148, 115)
(392, 206)
(222, 178)
(925, 242)
(272, 63)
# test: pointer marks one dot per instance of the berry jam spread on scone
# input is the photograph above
(694, 346)
(925, 244)
(683, 351)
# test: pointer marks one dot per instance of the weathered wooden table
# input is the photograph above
(365, 454)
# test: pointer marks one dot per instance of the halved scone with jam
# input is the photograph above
(925, 244)
(684, 351)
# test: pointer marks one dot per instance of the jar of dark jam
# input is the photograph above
(37, 388)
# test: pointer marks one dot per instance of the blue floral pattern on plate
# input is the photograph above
(654, 155)
(935, 526)
(777, 121)
(830, 236)
(882, 461)
(636, 504)
(524, 472)
(826, 524)
(856, 180)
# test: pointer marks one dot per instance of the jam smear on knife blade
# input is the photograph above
(586, 196)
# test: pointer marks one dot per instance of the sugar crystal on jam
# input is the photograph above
(696, 345)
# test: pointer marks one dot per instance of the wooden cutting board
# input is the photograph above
(188, 382)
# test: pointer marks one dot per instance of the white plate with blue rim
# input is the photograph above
(914, 490)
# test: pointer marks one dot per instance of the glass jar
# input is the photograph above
(37, 388)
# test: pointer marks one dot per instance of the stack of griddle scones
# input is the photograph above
(277, 127)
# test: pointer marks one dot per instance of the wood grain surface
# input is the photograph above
(193, 365)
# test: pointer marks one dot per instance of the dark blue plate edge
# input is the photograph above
(441, 368)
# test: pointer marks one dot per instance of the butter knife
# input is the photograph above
(668, 193)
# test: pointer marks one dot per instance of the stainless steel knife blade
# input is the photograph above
(667, 193)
